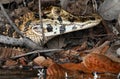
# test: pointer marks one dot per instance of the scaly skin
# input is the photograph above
(56, 17)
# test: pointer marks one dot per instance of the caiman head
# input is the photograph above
(57, 21)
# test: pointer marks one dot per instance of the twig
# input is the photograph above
(98, 48)
(19, 42)
(17, 30)
(11, 41)
(95, 6)
(85, 10)
(41, 23)
(37, 51)
(10, 21)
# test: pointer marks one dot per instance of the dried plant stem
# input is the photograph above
(19, 42)
(27, 41)
(10, 21)
(41, 23)
(37, 51)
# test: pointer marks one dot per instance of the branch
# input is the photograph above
(10, 21)
(41, 22)
(18, 42)
(37, 51)
(27, 41)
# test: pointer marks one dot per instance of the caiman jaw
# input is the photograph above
(59, 21)
(54, 27)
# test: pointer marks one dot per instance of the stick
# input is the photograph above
(37, 51)
(10, 21)
(18, 42)
(41, 23)
(16, 29)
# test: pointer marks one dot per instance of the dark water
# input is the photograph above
(17, 77)
(82, 76)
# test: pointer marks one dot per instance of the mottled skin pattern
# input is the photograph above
(52, 17)
(54, 12)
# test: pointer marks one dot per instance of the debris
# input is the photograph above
(66, 75)
(94, 61)
(37, 51)
(95, 75)
(109, 10)
(10, 21)
(119, 19)
(73, 47)
(118, 51)
(118, 76)
(41, 72)
(18, 42)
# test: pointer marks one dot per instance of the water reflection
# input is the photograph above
(82, 76)
(16, 77)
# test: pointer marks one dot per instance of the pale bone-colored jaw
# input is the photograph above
(63, 22)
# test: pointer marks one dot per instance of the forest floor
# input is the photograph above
(91, 50)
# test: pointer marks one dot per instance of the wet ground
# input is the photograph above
(82, 76)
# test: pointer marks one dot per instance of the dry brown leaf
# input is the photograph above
(10, 63)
